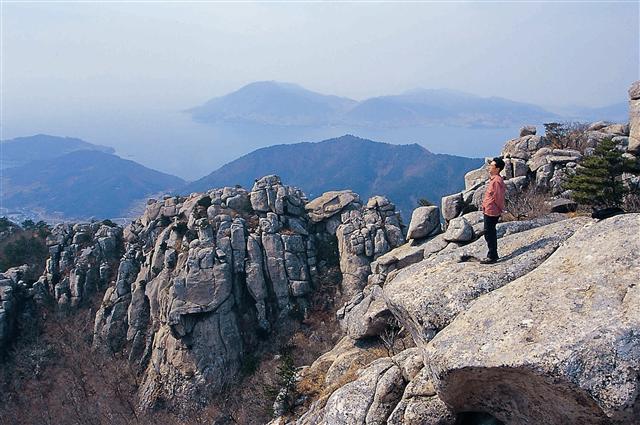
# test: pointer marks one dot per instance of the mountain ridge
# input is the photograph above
(21, 150)
(82, 184)
(288, 104)
(400, 172)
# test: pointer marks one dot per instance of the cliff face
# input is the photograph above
(549, 334)
(204, 277)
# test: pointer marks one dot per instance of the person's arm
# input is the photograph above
(490, 196)
(498, 196)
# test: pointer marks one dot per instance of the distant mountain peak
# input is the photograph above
(445, 91)
(81, 184)
(404, 173)
(288, 104)
(273, 84)
(273, 103)
(22, 150)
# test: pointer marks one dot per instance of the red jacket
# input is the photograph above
(493, 202)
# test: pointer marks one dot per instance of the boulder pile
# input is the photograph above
(204, 276)
(549, 334)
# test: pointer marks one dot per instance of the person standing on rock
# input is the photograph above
(492, 207)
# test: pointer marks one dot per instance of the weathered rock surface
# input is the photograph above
(197, 283)
(557, 345)
(427, 296)
(424, 221)
(364, 235)
(523, 147)
(459, 230)
(452, 206)
(474, 177)
(330, 203)
(634, 90)
(371, 398)
(429, 284)
(12, 287)
(421, 405)
(200, 280)
(562, 205)
(82, 259)
(365, 315)
(528, 130)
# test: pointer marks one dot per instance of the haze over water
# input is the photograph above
(120, 74)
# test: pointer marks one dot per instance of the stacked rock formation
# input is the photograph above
(204, 276)
(532, 162)
(82, 260)
(13, 291)
(201, 277)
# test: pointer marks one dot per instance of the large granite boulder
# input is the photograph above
(524, 147)
(475, 177)
(528, 130)
(424, 221)
(363, 236)
(365, 315)
(459, 230)
(329, 204)
(452, 206)
(371, 398)
(559, 344)
(420, 404)
(268, 194)
(427, 296)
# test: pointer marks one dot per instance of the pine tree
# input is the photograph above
(598, 179)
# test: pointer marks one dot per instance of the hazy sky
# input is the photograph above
(100, 71)
(74, 54)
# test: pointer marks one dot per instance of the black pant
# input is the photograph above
(490, 236)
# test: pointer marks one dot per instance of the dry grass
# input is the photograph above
(529, 204)
(52, 375)
(632, 202)
(314, 385)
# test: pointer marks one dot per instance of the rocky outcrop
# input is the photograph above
(82, 259)
(201, 278)
(533, 162)
(204, 276)
(366, 314)
(556, 299)
(372, 395)
(557, 345)
(546, 335)
(427, 296)
(425, 221)
(13, 291)
(329, 204)
(364, 235)
(508, 338)
(420, 404)
(371, 398)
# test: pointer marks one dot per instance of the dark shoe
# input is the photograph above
(488, 261)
